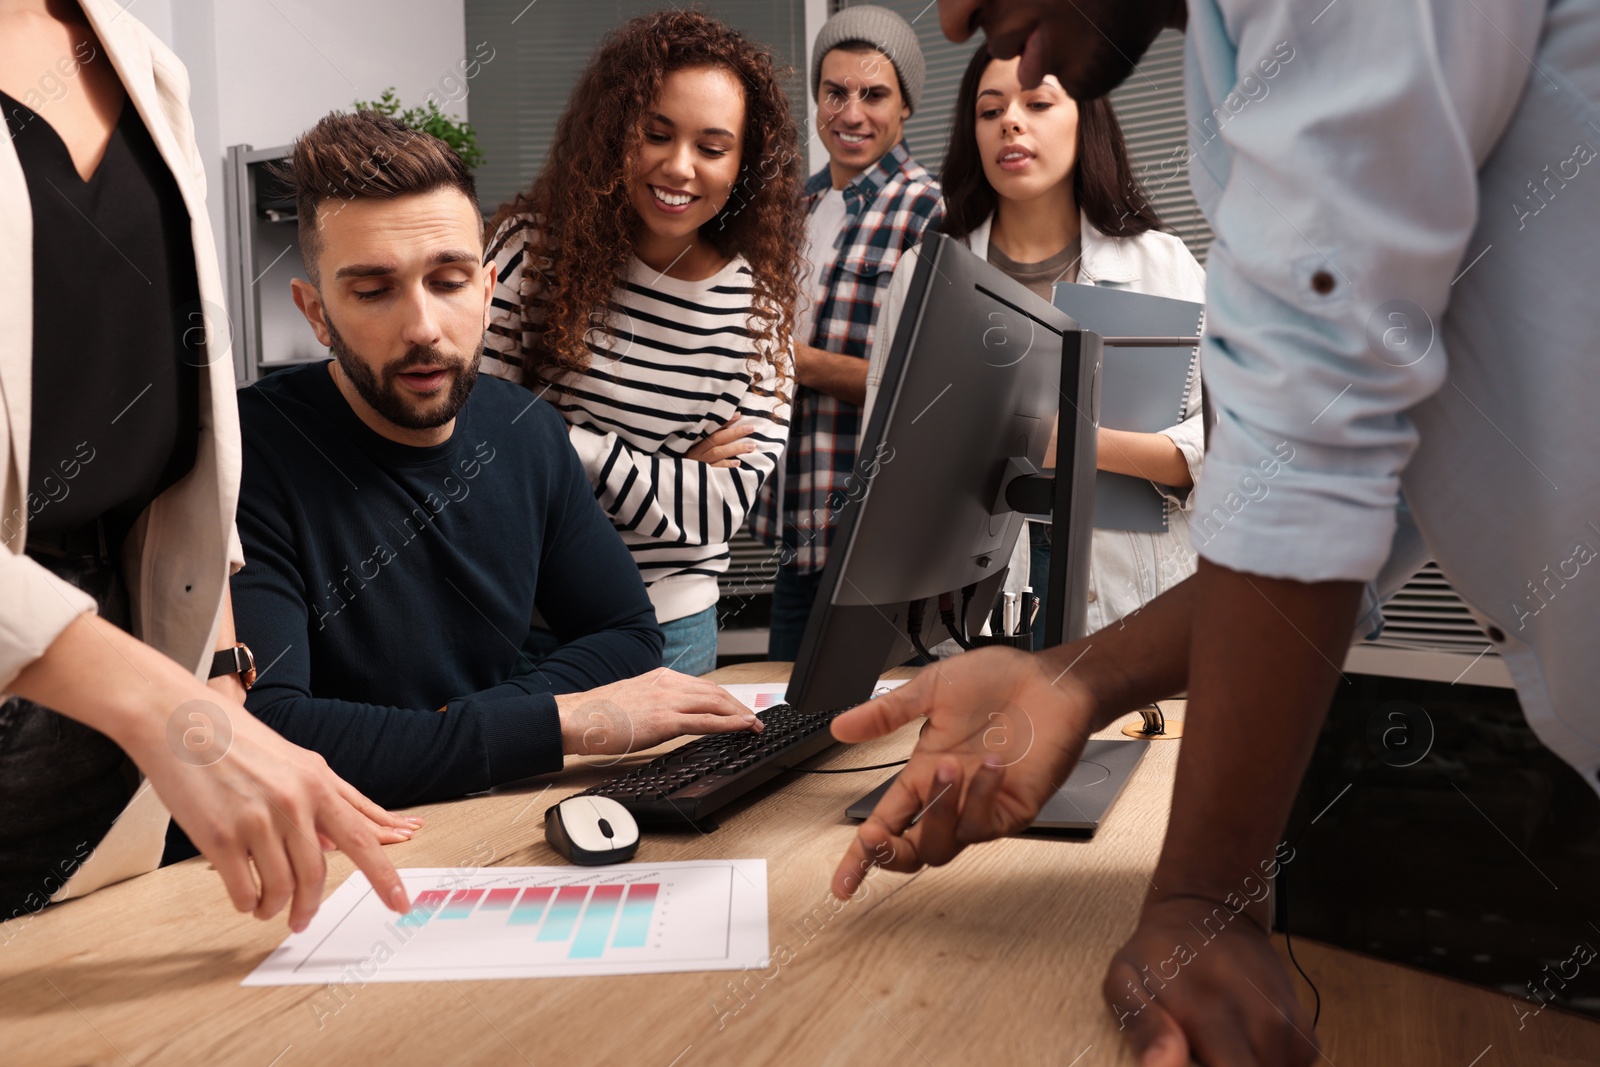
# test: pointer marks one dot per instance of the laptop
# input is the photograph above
(1083, 799)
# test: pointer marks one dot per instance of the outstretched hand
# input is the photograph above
(1004, 730)
(264, 810)
(261, 809)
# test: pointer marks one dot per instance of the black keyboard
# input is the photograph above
(691, 782)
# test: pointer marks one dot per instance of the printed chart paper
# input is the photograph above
(759, 696)
(534, 922)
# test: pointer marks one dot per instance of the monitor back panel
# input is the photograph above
(982, 387)
(972, 380)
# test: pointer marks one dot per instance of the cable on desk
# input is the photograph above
(1283, 891)
(914, 629)
(851, 770)
(947, 615)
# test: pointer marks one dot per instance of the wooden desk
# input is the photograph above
(995, 959)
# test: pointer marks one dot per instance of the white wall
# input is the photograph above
(816, 155)
(261, 72)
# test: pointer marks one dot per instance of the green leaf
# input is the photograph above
(459, 135)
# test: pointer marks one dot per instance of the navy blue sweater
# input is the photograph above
(383, 582)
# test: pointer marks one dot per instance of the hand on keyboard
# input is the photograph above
(639, 713)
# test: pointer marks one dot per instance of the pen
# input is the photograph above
(1010, 618)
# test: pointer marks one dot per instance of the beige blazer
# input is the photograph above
(184, 546)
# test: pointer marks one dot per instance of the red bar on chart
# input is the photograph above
(499, 899)
(423, 905)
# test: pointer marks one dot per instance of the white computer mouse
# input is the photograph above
(591, 831)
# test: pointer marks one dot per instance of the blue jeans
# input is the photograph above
(793, 594)
(691, 643)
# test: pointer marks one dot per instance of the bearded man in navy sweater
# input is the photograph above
(405, 522)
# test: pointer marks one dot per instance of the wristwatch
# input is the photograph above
(236, 660)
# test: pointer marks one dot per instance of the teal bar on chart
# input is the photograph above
(530, 909)
(590, 943)
(633, 929)
(563, 913)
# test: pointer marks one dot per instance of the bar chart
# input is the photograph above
(534, 922)
(555, 911)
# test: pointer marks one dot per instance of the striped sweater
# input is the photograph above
(681, 365)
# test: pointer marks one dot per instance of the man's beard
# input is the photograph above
(384, 396)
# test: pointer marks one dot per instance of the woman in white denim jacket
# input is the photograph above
(1059, 170)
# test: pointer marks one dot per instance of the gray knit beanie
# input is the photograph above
(883, 30)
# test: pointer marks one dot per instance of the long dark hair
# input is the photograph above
(1102, 180)
(580, 199)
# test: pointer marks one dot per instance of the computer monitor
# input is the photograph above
(979, 371)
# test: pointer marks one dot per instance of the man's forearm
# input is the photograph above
(1263, 662)
(1139, 659)
(400, 756)
(841, 377)
(625, 648)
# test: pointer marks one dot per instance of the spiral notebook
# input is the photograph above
(1141, 389)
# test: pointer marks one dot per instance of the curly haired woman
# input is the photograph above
(647, 287)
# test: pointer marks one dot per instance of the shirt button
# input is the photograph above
(1322, 283)
(1093, 596)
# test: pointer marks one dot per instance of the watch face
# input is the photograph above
(248, 675)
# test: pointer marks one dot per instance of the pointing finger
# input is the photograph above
(886, 714)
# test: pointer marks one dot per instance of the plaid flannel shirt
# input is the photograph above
(887, 209)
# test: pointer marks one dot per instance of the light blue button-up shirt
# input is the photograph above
(1404, 293)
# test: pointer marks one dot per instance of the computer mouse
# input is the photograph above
(591, 831)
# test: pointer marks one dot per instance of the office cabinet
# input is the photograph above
(263, 254)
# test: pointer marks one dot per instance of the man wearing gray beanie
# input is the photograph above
(865, 209)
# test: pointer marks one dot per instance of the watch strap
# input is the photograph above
(228, 661)
(235, 660)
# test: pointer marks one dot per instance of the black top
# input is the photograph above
(116, 403)
(386, 581)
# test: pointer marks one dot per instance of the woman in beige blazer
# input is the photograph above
(108, 627)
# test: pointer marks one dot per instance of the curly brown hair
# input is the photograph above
(580, 201)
